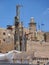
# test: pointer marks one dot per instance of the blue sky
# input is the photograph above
(39, 9)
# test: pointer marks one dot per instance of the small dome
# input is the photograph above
(32, 17)
(32, 20)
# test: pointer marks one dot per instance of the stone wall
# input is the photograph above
(40, 49)
(6, 40)
(47, 36)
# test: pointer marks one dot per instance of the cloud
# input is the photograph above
(46, 11)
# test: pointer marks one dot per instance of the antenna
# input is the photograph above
(38, 26)
(42, 26)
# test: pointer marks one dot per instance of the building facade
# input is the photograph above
(30, 33)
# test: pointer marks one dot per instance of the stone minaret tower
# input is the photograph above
(32, 28)
(32, 25)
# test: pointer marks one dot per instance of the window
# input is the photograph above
(3, 39)
(3, 33)
(0, 41)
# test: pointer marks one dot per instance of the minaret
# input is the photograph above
(32, 25)
(32, 29)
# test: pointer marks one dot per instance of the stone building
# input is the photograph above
(6, 38)
(7, 35)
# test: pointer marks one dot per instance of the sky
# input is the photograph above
(39, 9)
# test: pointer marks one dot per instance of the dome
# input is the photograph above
(32, 20)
